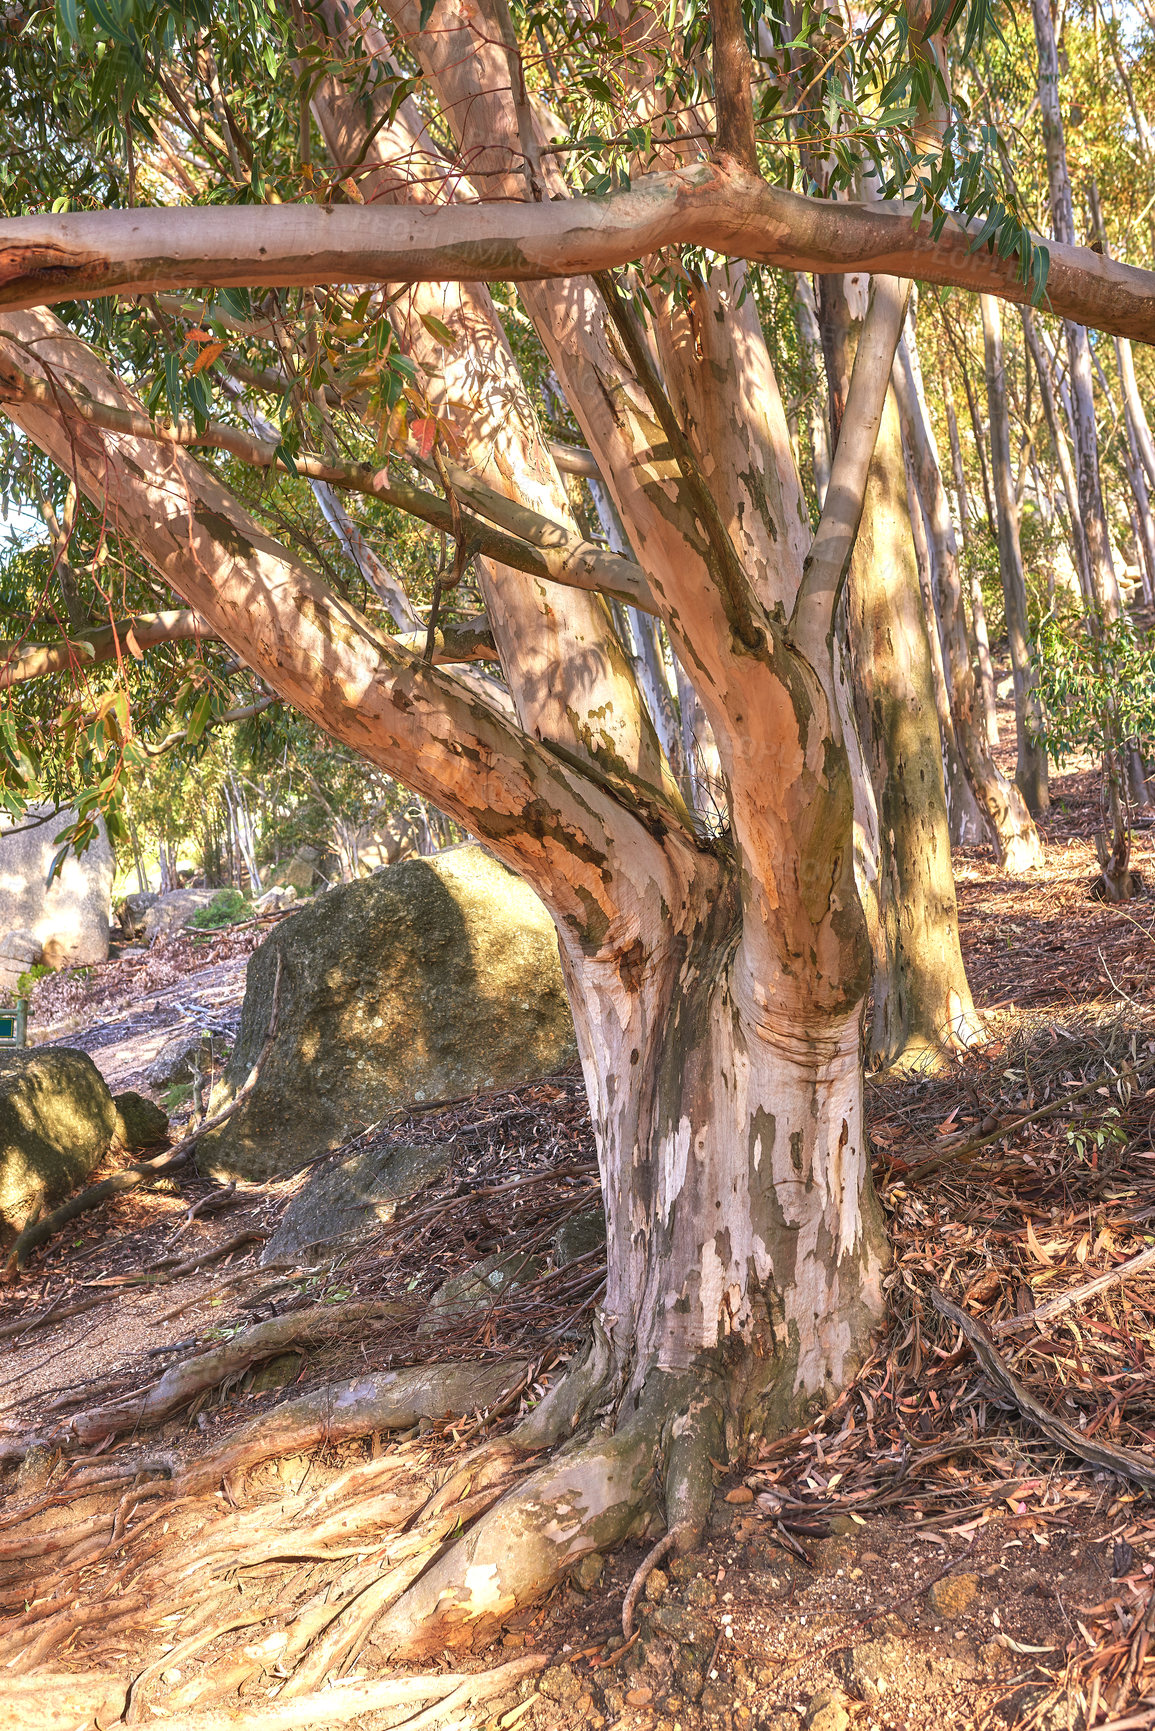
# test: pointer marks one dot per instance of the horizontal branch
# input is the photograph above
(21, 662)
(522, 539)
(468, 640)
(45, 259)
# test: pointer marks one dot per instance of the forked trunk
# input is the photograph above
(745, 1255)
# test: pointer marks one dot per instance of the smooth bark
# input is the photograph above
(1011, 826)
(48, 259)
(1031, 773)
(1093, 516)
(922, 1001)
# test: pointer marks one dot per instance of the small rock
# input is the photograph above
(276, 1372)
(700, 1592)
(845, 1527)
(657, 1585)
(345, 1200)
(830, 1555)
(174, 1064)
(827, 1711)
(640, 1697)
(559, 1683)
(35, 1470)
(280, 896)
(139, 1122)
(133, 910)
(869, 1666)
(578, 1237)
(740, 1494)
(953, 1596)
(484, 1284)
(588, 1572)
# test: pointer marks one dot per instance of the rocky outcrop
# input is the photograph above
(57, 1120)
(435, 979)
(68, 918)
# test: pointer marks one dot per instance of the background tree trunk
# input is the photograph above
(1011, 826)
(1031, 774)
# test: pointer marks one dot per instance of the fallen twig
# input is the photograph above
(1125, 1462)
(1078, 1294)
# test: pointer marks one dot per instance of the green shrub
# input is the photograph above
(227, 908)
(27, 980)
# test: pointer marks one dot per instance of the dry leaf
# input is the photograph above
(132, 645)
(740, 1494)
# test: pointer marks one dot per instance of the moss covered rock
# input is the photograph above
(57, 1120)
(430, 980)
(140, 1123)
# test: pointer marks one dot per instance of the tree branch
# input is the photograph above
(733, 102)
(561, 825)
(542, 548)
(829, 557)
(44, 259)
(23, 661)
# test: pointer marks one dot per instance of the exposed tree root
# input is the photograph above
(421, 1567)
(182, 1382)
(387, 1401)
(447, 1689)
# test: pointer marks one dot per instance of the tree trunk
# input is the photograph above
(1016, 838)
(979, 641)
(811, 340)
(745, 1253)
(1062, 452)
(966, 824)
(1092, 514)
(922, 1001)
(1031, 774)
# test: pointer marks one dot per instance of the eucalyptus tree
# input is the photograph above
(626, 173)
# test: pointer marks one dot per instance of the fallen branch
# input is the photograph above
(978, 1143)
(1125, 1462)
(148, 1171)
(1078, 1294)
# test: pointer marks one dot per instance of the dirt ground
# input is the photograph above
(923, 1554)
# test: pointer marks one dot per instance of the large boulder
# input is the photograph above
(57, 1120)
(70, 918)
(435, 979)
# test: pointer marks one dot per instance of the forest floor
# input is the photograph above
(929, 1552)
